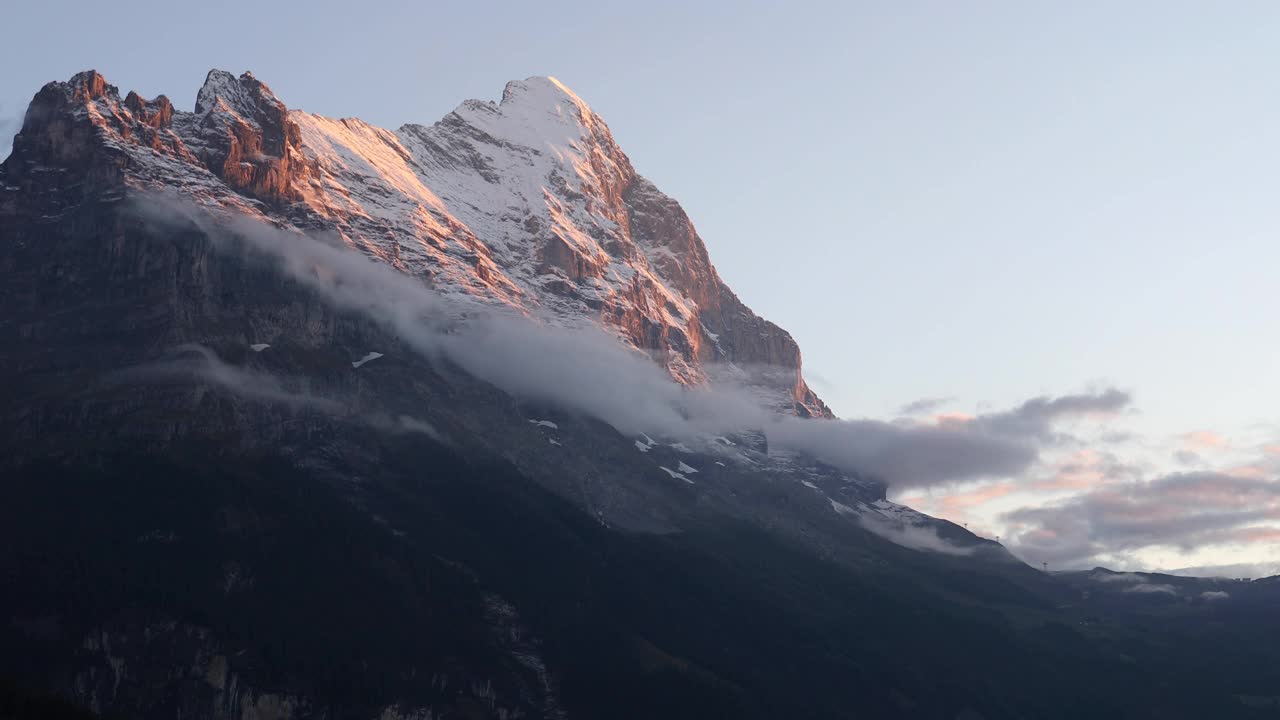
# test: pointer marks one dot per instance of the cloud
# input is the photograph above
(907, 456)
(1081, 470)
(1151, 588)
(198, 363)
(1211, 595)
(1187, 457)
(405, 424)
(1184, 511)
(1036, 417)
(923, 406)
(1233, 570)
(590, 371)
(1201, 440)
(1119, 577)
(915, 537)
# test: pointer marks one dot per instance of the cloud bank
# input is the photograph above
(1179, 510)
(588, 370)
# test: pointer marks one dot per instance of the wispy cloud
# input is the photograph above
(587, 370)
(1184, 511)
(915, 537)
(1231, 570)
(191, 362)
(923, 406)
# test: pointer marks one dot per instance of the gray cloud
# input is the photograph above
(908, 456)
(1151, 588)
(404, 424)
(915, 537)
(1234, 570)
(1036, 417)
(587, 370)
(193, 362)
(1119, 577)
(1181, 510)
(1187, 457)
(923, 406)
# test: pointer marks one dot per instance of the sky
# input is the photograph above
(956, 206)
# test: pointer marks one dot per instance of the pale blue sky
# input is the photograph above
(978, 200)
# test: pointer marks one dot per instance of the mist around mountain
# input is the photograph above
(308, 418)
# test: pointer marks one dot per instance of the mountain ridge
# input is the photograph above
(527, 202)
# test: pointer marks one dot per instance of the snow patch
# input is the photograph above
(367, 358)
(259, 347)
(545, 424)
(674, 474)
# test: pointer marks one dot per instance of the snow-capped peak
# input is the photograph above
(528, 202)
(243, 96)
(547, 96)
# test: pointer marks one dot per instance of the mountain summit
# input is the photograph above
(528, 203)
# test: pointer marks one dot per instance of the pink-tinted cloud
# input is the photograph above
(1182, 510)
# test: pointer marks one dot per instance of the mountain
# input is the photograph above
(527, 203)
(239, 485)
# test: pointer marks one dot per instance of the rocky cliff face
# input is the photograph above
(528, 202)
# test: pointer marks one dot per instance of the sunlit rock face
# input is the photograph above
(243, 133)
(527, 202)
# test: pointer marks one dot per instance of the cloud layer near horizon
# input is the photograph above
(1178, 510)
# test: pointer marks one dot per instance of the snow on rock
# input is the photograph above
(370, 356)
(674, 474)
(900, 513)
(259, 347)
(545, 424)
(685, 468)
(642, 447)
(553, 441)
